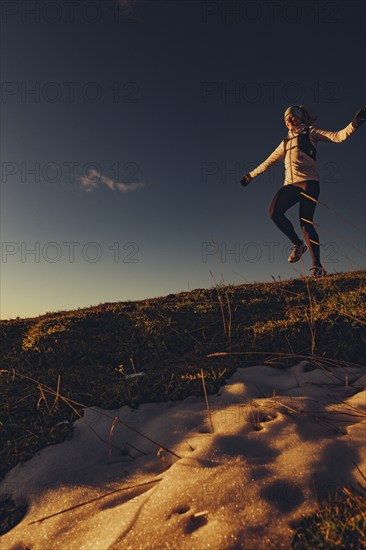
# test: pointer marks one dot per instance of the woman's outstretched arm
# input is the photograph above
(277, 154)
(337, 137)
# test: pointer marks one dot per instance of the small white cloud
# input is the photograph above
(95, 179)
(127, 187)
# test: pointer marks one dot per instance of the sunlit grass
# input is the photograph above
(91, 356)
(342, 524)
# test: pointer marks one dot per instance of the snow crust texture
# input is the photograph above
(280, 442)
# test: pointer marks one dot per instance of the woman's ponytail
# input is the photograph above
(308, 118)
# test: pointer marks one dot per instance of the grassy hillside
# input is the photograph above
(88, 355)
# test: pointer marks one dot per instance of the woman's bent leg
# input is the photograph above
(307, 209)
(285, 197)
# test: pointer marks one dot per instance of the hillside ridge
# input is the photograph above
(92, 355)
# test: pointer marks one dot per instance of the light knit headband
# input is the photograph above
(294, 110)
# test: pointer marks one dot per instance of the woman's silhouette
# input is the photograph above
(301, 178)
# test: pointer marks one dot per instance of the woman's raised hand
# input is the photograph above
(245, 180)
(359, 118)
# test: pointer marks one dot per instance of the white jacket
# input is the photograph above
(298, 165)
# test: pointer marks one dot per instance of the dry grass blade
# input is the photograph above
(360, 412)
(43, 398)
(311, 321)
(229, 319)
(148, 438)
(354, 318)
(207, 403)
(111, 431)
(255, 411)
(220, 303)
(361, 473)
(70, 402)
(321, 420)
(55, 403)
(136, 449)
(322, 361)
(93, 500)
(362, 231)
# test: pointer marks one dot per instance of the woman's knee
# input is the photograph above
(272, 210)
(275, 213)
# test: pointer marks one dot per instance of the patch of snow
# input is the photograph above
(282, 441)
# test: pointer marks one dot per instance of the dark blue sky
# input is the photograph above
(164, 104)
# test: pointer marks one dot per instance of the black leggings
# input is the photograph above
(286, 197)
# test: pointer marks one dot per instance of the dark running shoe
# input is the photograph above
(296, 253)
(318, 271)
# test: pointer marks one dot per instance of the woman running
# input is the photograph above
(301, 178)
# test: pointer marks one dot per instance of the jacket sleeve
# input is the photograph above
(277, 154)
(334, 137)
